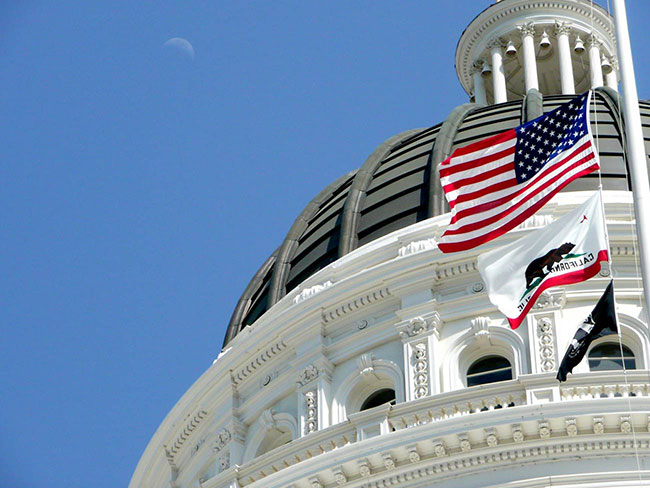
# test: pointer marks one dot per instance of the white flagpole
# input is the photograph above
(635, 146)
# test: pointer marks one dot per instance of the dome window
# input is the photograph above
(489, 370)
(380, 397)
(607, 357)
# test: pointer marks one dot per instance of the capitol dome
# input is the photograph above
(359, 355)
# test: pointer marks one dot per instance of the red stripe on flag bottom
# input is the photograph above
(482, 144)
(475, 163)
(509, 225)
(565, 279)
(538, 189)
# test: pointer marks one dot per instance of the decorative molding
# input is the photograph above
(480, 327)
(439, 449)
(420, 326)
(464, 443)
(594, 41)
(417, 246)
(548, 299)
(224, 461)
(544, 429)
(364, 468)
(527, 29)
(197, 446)
(414, 455)
(456, 270)
(562, 28)
(420, 358)
(307, 375)
(311, 291)
(517, 433)
(478, 287)
(626, 424)
(311, 409)
(223, 438)
(340, 476)
(315, 482)
(269, 353)
(389, 461)
(357, 304)
(571, 427)
(496, 43)
(365, 364)
(491, 437)
(598, 425)
(187, 431)
(546, 344)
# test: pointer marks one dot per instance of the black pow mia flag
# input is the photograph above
(601, 322)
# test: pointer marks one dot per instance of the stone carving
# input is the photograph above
(191, 425)
(439, 449)
(223, 438)
(311, 420)
(517, 433)
(224, 462)
(365, 364)
(598, 425)
(389, 462)
(546, 346)
(626, 425)
(315, 482)
(361, 324)
(548, 300)
(307, 375)
(364, 468)
(414, 455)
(544, 429)
(527, 29)
(562, 28)
(420, 370)
(358, 303)
(311, 291)
(196, 447)
(480, 328)
(478, 287)
(496, 43)
(571, 427)
(418, 326)
(417, 246)
(339, 476)
(594, 41)
(491, 437)
(465, 445)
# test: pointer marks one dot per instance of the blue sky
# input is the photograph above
(140, 189)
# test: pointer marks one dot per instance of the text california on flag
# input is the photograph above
(566, 251)
(495, 184)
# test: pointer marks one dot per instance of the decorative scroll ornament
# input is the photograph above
(490, 437)
(544, 429)
(307, 375)
(517, 433)
(480, 327)
(626, 424)
(315, 482)
(311, 404)
(417, 246)
(550, 300)
(340, 476)
(527, 29)
(308, 292)
(562, 28)
(414, 455)
(364, 468)
(546, 346)
(598, 425)
(464, 443)
(420, 370)
(439, 449)
(420, 325)
(223, 438)
(389, 461)
(365, 364)
(571, 427)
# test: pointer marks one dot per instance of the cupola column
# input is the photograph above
(479, 86)
(611, 78)
(530, 62)
(498, 74)
(566, 67)
(595, 68)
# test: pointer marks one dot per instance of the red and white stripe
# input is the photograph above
(485, 199)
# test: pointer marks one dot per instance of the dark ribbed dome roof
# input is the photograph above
(398, 186)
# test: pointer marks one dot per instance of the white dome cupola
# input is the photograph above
(554, 46)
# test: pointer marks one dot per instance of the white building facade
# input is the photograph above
(361, 356)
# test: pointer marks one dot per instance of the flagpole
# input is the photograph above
(635, 145)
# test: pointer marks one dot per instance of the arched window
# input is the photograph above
(488, 370)
(607, 357)
(380, 397)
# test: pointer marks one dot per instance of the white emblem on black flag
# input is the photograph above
(601, 322)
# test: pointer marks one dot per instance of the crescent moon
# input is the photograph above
(181, 45)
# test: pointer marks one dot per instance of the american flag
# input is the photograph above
(495, 184)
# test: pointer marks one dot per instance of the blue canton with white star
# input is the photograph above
(540, 140)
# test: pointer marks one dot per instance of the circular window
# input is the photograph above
(489, 370)
(607, 357)
(380, 397)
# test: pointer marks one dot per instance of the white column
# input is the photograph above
(530, 62)
(479, 87)
(498, 74)
(566, 66)
(611, 79)
(595, 69)
(636, 149)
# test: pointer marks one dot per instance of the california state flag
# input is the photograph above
(566, 251)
